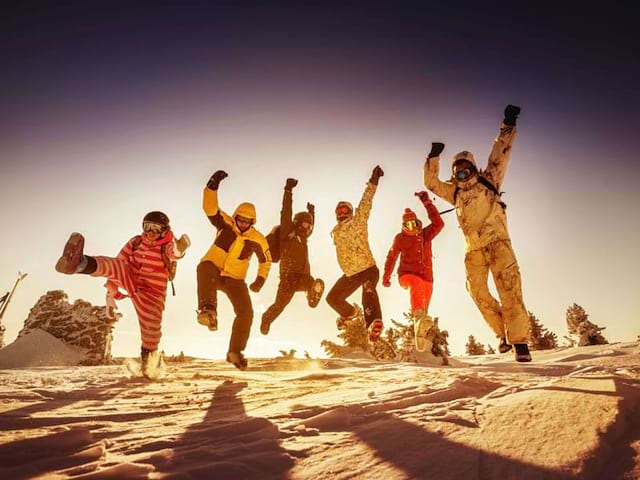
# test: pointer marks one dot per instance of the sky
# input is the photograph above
(114, 109)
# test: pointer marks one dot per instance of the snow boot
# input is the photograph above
(422, 324)
(314, 294)
(237, 359)
(375, 330)
(504, 347)
(341, 322)
(522, 352)
(72, 255)
(209, 318)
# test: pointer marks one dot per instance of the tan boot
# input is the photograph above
(422, 323)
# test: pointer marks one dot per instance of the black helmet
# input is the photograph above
(156, 217)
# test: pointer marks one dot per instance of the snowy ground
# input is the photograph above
(572, 413)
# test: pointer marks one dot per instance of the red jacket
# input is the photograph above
(415, 250)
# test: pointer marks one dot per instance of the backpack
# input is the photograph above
(273, 240)
(488, 185)
(170, 265)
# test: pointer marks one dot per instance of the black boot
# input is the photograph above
(504, 347)
(522, 352)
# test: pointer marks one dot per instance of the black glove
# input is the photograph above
(257, 284)
(376, 174)
(423, 196)
(511, 115)
(311, 208)
(216, 178)
(291, 182)
(436, 149)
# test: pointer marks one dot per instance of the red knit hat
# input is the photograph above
(409, 215)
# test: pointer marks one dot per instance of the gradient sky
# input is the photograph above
(113, 109)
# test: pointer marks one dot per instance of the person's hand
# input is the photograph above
(311, 208)
(291, 183)
(423, 196)
(111, 306)
(436, 149)
(376, 174)
(257, 284)
(511, 113)
(386, 282)
(216, 178)
(183, 243)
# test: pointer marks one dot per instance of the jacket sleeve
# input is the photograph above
(437, 224)
(363, 210)
(264, 257)
(210, 206)
(500, 154)
(392, 257)
(444, 190)
(286, 223)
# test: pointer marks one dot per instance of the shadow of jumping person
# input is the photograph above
(228, 444)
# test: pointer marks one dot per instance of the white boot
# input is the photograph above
(422, 323)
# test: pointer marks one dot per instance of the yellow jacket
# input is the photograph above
(232, 249)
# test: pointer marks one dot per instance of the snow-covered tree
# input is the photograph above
(539, 337)
(490, 350)
(353, 336)
(579, 325)
(473, 347)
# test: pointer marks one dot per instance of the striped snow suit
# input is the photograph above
(142, 274)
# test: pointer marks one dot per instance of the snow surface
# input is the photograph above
(572, 413)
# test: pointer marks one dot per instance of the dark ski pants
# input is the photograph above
(345, 286)
(209, 282)
(289, 284)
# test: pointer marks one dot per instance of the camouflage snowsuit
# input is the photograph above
(488, 246)
(351, 239)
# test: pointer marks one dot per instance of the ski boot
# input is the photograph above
(237, 359)
(209, 318)
(314, 294)
(72, 255)
(504, 347)
(341, 322)
(522, 352)
(147, 358)
(375, 330)
(422, 324)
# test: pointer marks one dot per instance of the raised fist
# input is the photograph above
(386, 282)
(291, 183)
(511, 115)
(423, 196)
(376, 174)
(183, 243)
(436, 149)
(311, 208)
(216, 178)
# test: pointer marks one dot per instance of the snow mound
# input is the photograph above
(40, 349)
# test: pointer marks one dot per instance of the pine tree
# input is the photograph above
(354, 337)
(539, 337)
(473, 347)
(578, 324)
(490, 350)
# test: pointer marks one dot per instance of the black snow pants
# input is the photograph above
(345, 286)
(289, 284)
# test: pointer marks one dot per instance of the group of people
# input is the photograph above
(147, 262)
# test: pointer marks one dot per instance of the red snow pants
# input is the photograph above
(147, 300)
(419, 289)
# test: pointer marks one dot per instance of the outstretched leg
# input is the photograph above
(286, 289)
(477, 270)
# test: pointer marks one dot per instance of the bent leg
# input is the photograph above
(337, 296)
(208, 277)
(506, 275)
(477, 270)
(370, 299)
(286, 289)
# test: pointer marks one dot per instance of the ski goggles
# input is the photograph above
(150, 227)
(410, 225)
(343, 211)
(464, 173)
(245, 220)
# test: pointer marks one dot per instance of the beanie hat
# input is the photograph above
(409, 215)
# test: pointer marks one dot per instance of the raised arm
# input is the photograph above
(437, 224)
(286, 222)
(501, 150)
(444, 190)
(210, 201)
(363, 210)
